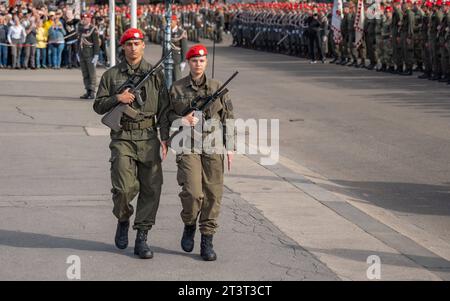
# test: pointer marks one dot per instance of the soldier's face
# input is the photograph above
(197, 65)
(134, 49)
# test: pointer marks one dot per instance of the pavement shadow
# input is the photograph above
(18, 239)
(401, 197)
(44, 97)
(436, 265)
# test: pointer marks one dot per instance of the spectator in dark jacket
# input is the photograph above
(3, 42)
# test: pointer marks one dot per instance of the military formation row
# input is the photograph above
(396, 37)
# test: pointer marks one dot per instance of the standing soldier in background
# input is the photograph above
(436, 19)
(407, 38)
(135, 148)
(397, 19)
(443, 38)
(425, 41)
(447, 39)
(351, 35)
(370, 32)
(419, 16)
(88, 55)
(179, 46)
(200, 173)
(387, 63)
(345, 36)
(220, 24)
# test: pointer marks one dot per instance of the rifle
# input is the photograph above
(201, 103)
(257, 35)
(282, 39)
(134, 83)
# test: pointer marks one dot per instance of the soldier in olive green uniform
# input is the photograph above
(436, 20)
(200, 172)
(407, 38)
(443, 44)
(397, 19)
(89, 45)
(135, 149)
(426, 44)
(419, 41)
(344, 32)
(387, 63)
(179, 47)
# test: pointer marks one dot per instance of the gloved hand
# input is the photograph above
(95, 60)
(182, 66)
(78, 57)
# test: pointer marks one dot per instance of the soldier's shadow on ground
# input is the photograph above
(401, 197)
(33, 97)
(18, 239)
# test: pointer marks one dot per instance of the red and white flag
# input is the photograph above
(336, 20)
(359, 23)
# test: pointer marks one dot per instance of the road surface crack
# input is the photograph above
(20, 111)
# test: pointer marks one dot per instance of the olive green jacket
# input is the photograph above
(154, 94)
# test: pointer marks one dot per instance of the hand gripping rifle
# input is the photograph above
(201, 103)
(135, 84)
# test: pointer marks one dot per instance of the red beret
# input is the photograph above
(196, 50)
(85, 15)
(397, 1)
(389, 9)
(131, 33)
(438, 3)
(174, 18)
(447, 3)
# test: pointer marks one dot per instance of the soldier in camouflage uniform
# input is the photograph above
(135, 149)
(407, 38)
(200, 172)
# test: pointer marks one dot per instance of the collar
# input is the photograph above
(190, 82)
(125, 67)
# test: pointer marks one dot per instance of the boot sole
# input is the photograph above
(187, 250)
(142, 257)
(121, 247)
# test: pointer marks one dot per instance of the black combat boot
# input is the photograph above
(206, 248)
(371, 66)
(187, 241)
(140, 246)
(85, 95)
(425, 75)
(121, 238)
(408, 71)
(391, 70)
(91, 95)
(444, 78)
(436, 76)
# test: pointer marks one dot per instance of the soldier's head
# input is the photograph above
(132, 42)
(85, 19)
(174, 21)
(397, 3)
(388, 12)
(197, 59)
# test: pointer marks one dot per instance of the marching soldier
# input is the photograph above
(88, 55)
(135, 149)
(200, 174)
